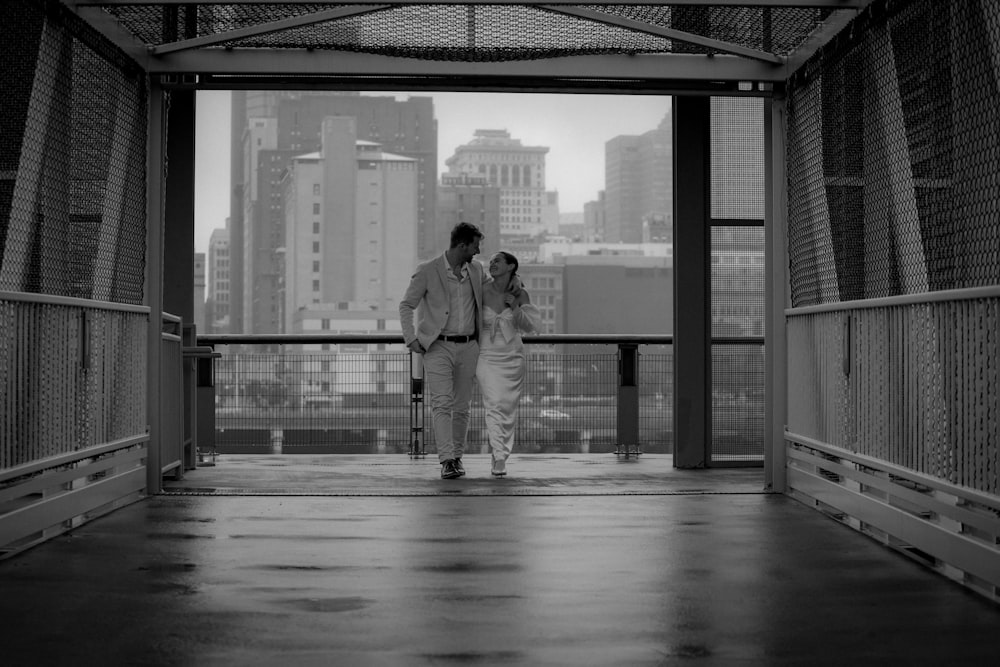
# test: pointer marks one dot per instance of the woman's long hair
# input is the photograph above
(510, 259)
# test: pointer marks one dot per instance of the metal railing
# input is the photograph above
(73, 432)
(273, 393)
(583, 393)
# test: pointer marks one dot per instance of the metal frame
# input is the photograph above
(776, 296)
(154, 281)
(198, 63)
(201, 57)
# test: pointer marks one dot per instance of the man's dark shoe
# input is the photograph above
(459, 467)
(448, 469)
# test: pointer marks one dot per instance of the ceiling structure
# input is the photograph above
(732, 47)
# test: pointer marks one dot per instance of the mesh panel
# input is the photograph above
(72, 202)
(480, 33)
(778, 30)
(737, 281)
(893, 151)
(738, 409)
(737, 158)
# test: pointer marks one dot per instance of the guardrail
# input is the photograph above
(73, 441)
(583, 393)
(893, 424)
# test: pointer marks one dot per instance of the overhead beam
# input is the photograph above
(808, 4)
(266, 28)
(108, 25)
(319, 63)
(823, 34)
(669, 33)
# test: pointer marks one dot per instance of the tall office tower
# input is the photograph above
(519, 172)
(468, 198)
(638, 182)
(594, 219)
(199, 292)
(237, 126)
(288, 124)
(218, 283)
(550, 213)
(350, 214)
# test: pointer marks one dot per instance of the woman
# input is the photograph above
(500, 371)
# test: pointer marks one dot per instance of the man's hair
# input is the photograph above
(464, 232)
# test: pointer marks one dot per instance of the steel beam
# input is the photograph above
(818, 4)
(303, 62)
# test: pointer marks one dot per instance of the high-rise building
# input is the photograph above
(594, 219)
(550, 213)
(638, 182)
(469, 198)
(271, 128)
(519, 172)
(199, 291)
(350, 224)
(217, 283)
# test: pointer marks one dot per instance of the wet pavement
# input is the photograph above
(573, 560)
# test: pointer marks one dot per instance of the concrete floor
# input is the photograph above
(574, 560)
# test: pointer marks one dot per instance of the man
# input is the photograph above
(447, 295)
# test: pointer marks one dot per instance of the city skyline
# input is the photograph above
(574, 127)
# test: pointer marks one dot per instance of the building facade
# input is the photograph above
(217, 283)
(638, 182)
(269, 130)
(469, 198)
(518, 171)
(350, 224)
(595, 219)
(199, 291)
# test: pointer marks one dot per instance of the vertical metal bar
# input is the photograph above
(178, 205)
(154, 281)
(628, 399)
(692, 308)
(418, 442)
(775, 293)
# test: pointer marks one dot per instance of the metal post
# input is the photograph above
(775, 294)
(692, 292)
(154, 282)
(418, 446)
(628, 400)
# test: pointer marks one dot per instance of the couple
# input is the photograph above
(467, 327)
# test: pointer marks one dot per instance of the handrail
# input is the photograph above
(964, 294)
(211, 340)
(397, 338)
(53, 300)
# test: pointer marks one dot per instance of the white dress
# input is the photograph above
(500, 371)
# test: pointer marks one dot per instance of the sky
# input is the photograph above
(574, 127)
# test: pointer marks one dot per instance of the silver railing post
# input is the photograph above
(418, 445)
(628, 400)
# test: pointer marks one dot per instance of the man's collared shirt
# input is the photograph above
(462, 302)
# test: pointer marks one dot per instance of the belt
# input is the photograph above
(457, 339)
